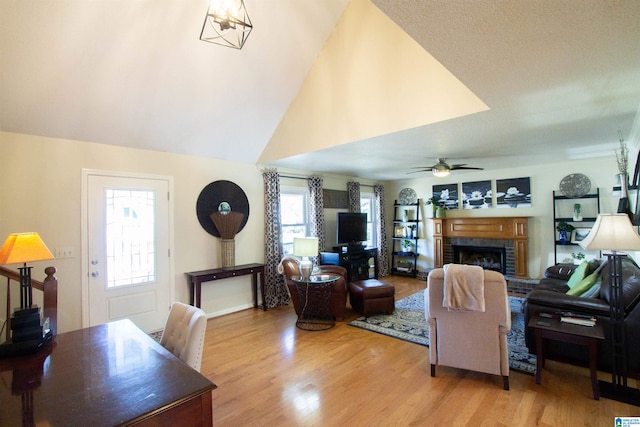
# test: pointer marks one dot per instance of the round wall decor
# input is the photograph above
(408, 196)
(575, 185)
(221, 196)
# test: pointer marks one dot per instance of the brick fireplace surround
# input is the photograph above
(507, 232)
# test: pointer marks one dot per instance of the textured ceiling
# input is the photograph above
(560, 79)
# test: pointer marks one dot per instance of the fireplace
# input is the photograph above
(487, 257)
(503, 249)
(508, 234)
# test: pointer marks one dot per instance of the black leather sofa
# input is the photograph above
(550, 296)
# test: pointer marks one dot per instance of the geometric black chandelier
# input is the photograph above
(227, 23)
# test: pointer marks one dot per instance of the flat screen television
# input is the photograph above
(351, 228)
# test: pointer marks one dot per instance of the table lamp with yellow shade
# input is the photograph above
(24, 248)
(29, 331)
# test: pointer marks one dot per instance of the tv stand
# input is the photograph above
(355, 258)
(353, 247)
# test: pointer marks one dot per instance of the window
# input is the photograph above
(294, 211)
(294, 214)
(368, 205)
(130, 237)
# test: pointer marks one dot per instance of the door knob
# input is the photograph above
(95, 274)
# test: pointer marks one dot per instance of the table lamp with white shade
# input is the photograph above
(614, 232)
(305, 247)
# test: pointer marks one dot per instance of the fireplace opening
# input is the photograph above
(487, 257)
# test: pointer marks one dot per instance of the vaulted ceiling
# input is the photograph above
(362, 88)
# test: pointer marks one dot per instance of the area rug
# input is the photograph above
(408, 323)
(156, 335)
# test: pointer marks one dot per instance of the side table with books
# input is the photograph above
(567, 327)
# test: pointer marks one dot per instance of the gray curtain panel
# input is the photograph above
(316, 210)
(354, 196)
(383, 259)
(276, 292)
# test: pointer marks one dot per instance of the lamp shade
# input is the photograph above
(305, 246)
(22, 248)
(612, 232)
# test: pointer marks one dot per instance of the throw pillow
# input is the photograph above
(601, 266)
(584, 285)
(578, 274)
(593, 291)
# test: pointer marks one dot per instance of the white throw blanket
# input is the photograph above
(463, 288)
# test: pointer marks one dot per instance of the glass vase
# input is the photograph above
(564, 238)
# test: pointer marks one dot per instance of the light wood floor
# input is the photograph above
(269, 373)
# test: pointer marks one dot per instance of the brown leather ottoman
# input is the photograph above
(372, 296)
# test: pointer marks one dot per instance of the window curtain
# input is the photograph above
(383, 258)
(354, 196)
(276, 292)
(316, 210)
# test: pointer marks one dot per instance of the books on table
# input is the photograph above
(579, 320)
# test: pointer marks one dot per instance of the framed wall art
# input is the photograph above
(477, 195)
(579, 234)
(446, 195)
(335, 199)
(513, 193)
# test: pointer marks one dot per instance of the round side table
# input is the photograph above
(315, 299)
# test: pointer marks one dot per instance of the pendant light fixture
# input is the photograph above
(227, 23)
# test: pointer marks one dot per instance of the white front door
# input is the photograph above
(128, 273)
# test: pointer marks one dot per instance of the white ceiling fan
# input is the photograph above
(442, 168)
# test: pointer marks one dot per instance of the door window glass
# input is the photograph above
(130, 218)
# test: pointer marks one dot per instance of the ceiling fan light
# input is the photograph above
(440, 171)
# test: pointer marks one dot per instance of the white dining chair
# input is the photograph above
(183, 334)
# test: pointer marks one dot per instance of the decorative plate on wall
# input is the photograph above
(408, 197)
(575, 185)
(221, 196)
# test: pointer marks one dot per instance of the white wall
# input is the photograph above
(41, 192)
(544, 180)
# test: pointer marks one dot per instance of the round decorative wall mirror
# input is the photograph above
(223, 197)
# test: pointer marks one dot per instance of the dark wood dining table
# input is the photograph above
(107, 375)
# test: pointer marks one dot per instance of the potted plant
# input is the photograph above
(434, 201)
(578, 257)
(564, 228)
(577, 212)
(406, 245)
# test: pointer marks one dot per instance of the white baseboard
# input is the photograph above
(229, 310)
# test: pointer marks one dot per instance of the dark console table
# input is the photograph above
(196, 278)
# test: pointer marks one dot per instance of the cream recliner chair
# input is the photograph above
(184, 332)
(473, 340)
